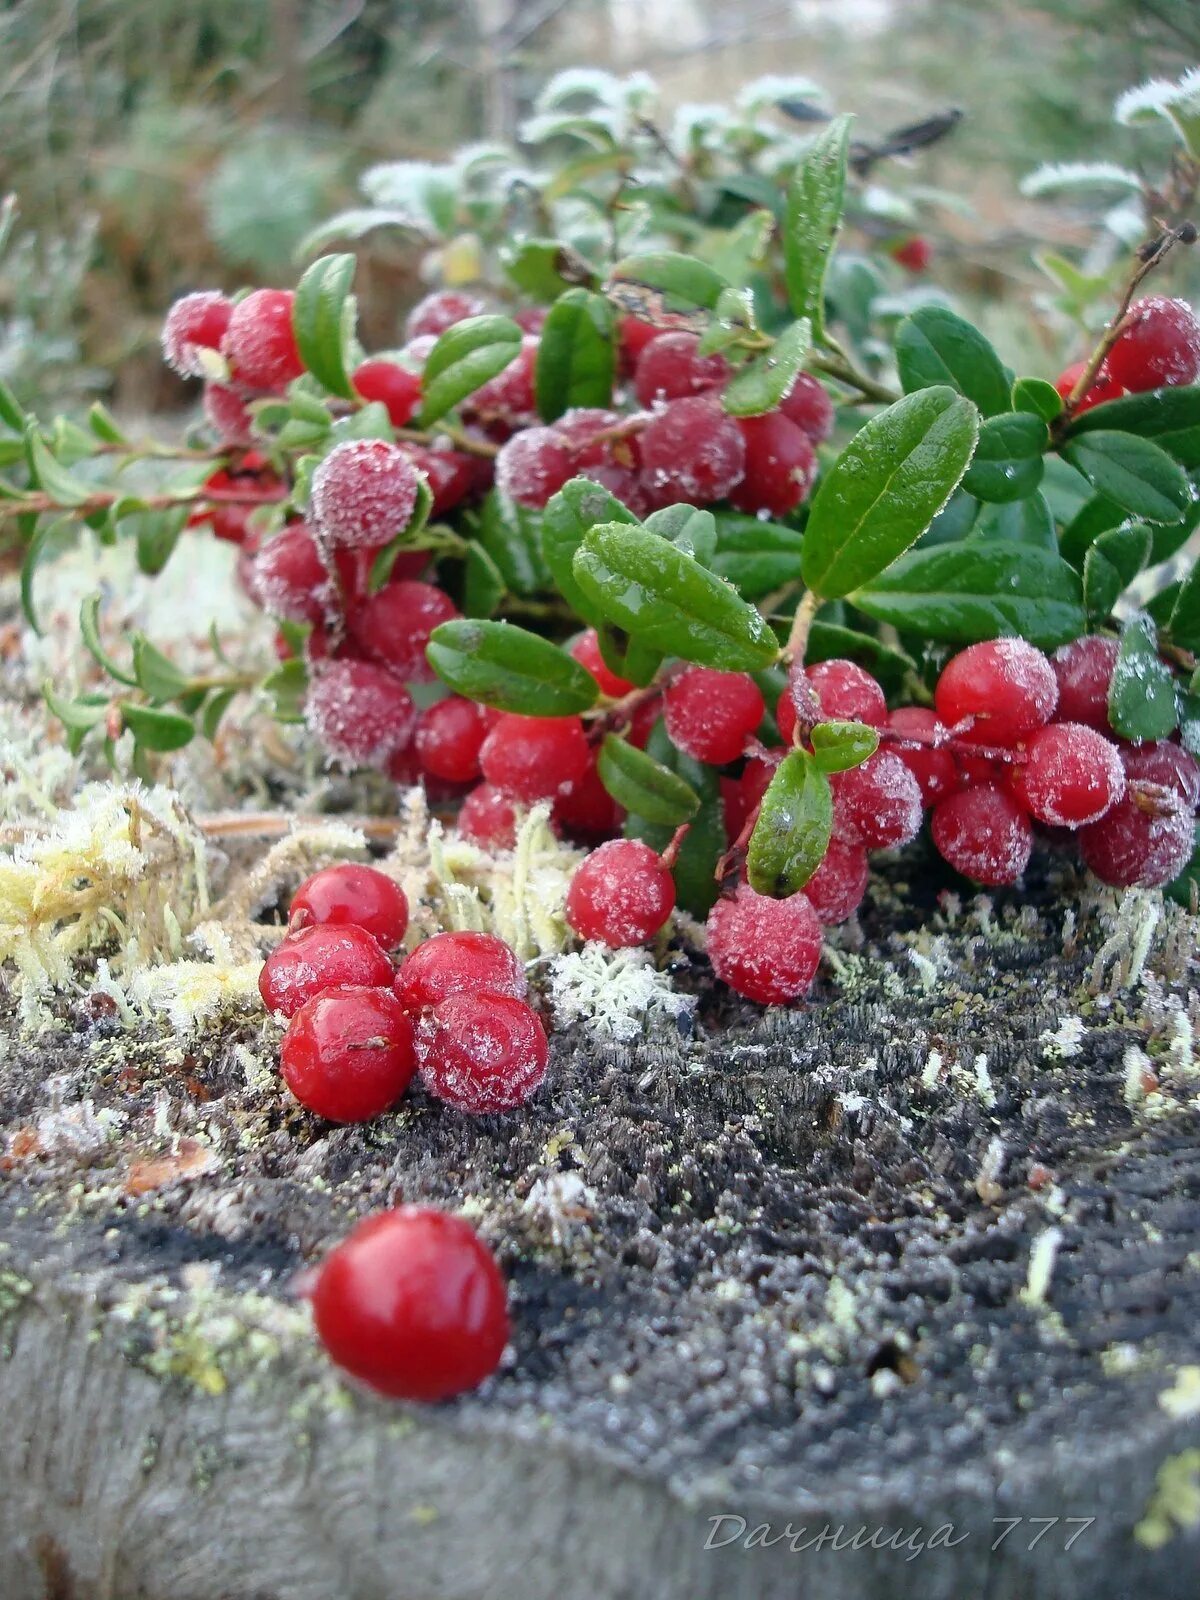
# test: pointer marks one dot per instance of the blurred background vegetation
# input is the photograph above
(154, 146)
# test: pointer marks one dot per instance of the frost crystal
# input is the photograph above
(617, 991)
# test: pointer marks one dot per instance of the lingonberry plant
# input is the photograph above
(699, 542)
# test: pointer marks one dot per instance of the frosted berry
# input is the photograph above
(349, 1054)
(766, 950)
(846, 692)
(741, 797)
(621, 481)
(586, 651)
(449, 736)
(1103, 388)
(1145, 840)
(1159, 343)
(361, 713)
(363, 494)
(585, 809)
(633, 336)
(413, 1304)
(260, 344)
(393, 626)
(583, 429)
(932, 766)
(877, 804)
(321, 957)
(836, 888)
(487, 818)
(621, 895)
(290, 579)
(669, 368)
(808, 405)
(439, 311)
(482, 1053)
(227, 414)
(391, 385)
(1071, 775)
(1084, 670)
(710, 715)
(451, 475)
(780, 466)
(691, 452)
(533, 758)
(914, 253)
(459, 963)
(1005, 686)
(533, 465)
(194, 324)
(531, 319)
(1166, 764)
(509, 396)
(352, 895)
(984, 834)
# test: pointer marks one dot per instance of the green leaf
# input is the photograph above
(1185, 891)
(1166, 539)
(576, 358)
(483, 583)
(813, 219)
(156, 673)
(1141, 696)
(979, 589)
(78, 715)
(886, 487)
(500, 665)
(577, 507)
(793, 829)
(543, 268)
(732, 320)
(154, 729)
(214, 710)
(764, 382)
(643, 785)
(1007, 464)
(838, 746)
(323, 316)
(48, 538)
(743, 248)
(50, 476)
(12, 413)
(668, 601)
(936, 346)
(1094, 517)
(695, 532)
(1111, 565)
(664, 281)
(1038, 396)
(1184, 626)
(1168, 416)
(758, 557)
(407, 539)
(631, 659)
(512, 535)
(156, 533)
(464, 359)
(89, 628)
(1133, 472)
(286, 688)
(104, 425)
(694, 872)
(1026, 521)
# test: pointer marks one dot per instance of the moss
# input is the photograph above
(1175, 1504)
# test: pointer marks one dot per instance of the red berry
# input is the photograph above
(349, 1054)
(984, 834)
(1159, 343)
(1071, 775)
(260, 344)
(413, 1304)
(227, 414)
(934, 768)
(766, 950)
(742, 796)
(582, 429)
(634, 335)
(355, 896)
(363, 494)
(878, 804)
(449, 736)
(289, 577)
(451, 475)
(915, 253)
(1146, 839)
(780, 466)
(1103, 389)
(361, 713)
(482, 1053)
(585, 809)
(509, 396)
(1084, 670)
(848, 693)
(1005, 686)
(459, 963)
(194, 324)
(710, 715)
(808, 405)
(439, 311)
(691, 452)
(531, 319)
(487, 818)
(391, 385)
(322, 957)
(622, 482)
(669, 368)
(973, 769)
(534, 758)
(393, 626)
(1166, 764)
(586, 651)
(532, 466)
(836, 888)
(621, 895)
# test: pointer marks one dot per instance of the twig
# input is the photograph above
(797, 641)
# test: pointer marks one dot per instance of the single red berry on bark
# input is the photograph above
(413, 1304)
(932, 766)
(1084, 670)
(482, 1053)
(449, 736)
(586, 651)
(691, 452)
(836, 888)
(621, 895)
(846, 692)
(1005, 686)
(765, 950)
(439, 311)
(1104, 387)
(1166, 764)
(362, 714)
(1071, 775)
(877, 804)
(196, 323)
(1159, 343)
(290, 579)
(533, 758)
(349, 1054)
(780, 466)
(355, 896)
(670, 367)
(363, 494)
(459, 963)
(487, 818)
(808, 405)
(984, 834)
(914, 253)
(391, 385)
(260, 343)
(324, 956)
(1145, 840)
(393, 626)
(710, 715)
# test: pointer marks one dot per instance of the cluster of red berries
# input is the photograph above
(360, 1028)
(1157, 346)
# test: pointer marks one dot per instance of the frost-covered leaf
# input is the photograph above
(1055, 175)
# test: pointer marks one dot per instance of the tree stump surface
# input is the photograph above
(920, 1255)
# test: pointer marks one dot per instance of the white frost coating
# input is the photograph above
(1041, 1266)
(616, 991)
(1158, 97)
(1136, 1065)
(1065, 1042)
(1053, 175)
(189, 993)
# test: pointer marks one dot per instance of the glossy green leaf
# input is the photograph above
(694, 872)
(576, 359)
(1159, 414)
(631, 659)
(1141, 696)
(643, 785)
(51, 476)
(1025, 521)
(12, 413)
(156, 673)
(813, 219)
(794, 825)
(830, 641)
(214, 710)
(577, 507)
(89, 628)
(512, 535)
(156, 534)
(1007, 464)
(483, 583)
(838, 746)
(78, 715)
(1094, 517)
(733, 318)
(501, 665)
(104, 425)
(465, 357)
(744, 248)
(759, 557)
(1110, 566)
(323, 315)
(155, 729)
(666, 599)
(543, 268)
(762, 384)
(886, 487)
(695, 532)
(1184, 625)
(1135, 473)
(936, 346)
(664, 281)
(1038, 396)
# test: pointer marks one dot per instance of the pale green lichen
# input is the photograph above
(1175, 1504)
